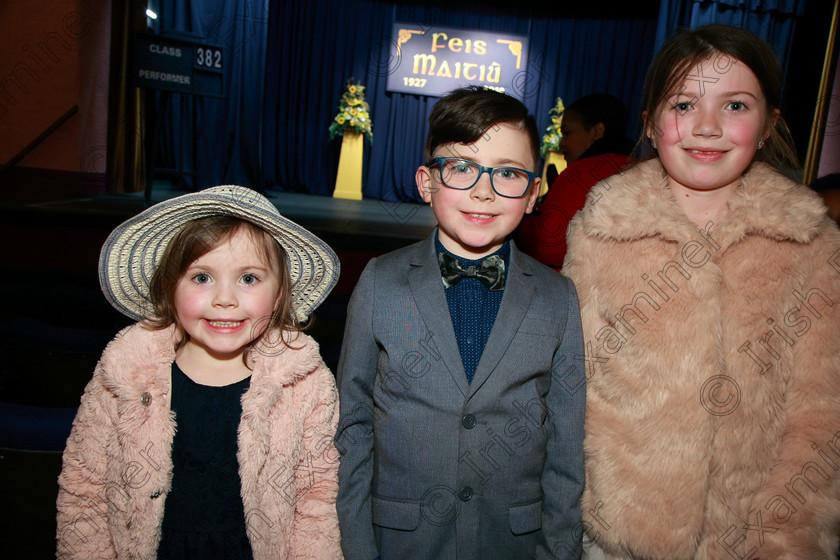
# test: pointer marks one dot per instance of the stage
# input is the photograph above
(345, 221)
(52, 269)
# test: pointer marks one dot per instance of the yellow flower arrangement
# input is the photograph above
(353, 112)
(551, 138)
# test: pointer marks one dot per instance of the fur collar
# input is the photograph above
(637, 203)
(145, 356)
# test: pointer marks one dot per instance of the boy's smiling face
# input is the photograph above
(475, 222)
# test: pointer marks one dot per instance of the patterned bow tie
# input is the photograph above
(491, 271)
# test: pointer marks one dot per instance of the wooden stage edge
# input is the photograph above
(338, 221)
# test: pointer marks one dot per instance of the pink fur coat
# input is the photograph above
(118, 467)
(713, 371)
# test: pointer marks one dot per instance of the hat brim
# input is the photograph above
(133, 251)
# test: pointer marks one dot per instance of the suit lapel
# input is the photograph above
(519, 291)
(427, 290)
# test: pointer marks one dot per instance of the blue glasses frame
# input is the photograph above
(440, 161)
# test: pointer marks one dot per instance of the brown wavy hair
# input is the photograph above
(196, 239)
(687, 48)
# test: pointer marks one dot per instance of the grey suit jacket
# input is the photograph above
(435, 468)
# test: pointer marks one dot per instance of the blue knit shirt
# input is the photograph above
(473, 309)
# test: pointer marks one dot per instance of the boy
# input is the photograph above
(461, 372)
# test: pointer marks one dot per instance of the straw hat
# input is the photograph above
(133, 250)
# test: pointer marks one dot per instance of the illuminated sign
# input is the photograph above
(436, 60)
(178, 65)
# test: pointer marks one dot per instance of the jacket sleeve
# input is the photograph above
(316, 535)
(805, 472)
(562, 477)
(354, 439)
(82, 520)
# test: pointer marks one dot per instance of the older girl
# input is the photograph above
(709, 284)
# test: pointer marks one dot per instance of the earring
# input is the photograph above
(760, 144)
(653, 142)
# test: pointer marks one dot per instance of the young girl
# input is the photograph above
(207, 429)
(709, 284)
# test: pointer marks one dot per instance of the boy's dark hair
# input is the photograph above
(465, 114)
(602, 108)
(684, 50)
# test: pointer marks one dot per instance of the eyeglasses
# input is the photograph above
(463, 174)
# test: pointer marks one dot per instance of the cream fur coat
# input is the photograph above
(118, 467)
(713, 371)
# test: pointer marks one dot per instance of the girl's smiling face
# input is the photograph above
(708, 131)
(225, 299)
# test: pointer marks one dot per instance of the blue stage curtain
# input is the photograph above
(772, 20)
(288, 63)
(218, 139)
(314, 48)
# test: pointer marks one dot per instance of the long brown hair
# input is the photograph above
(687, 48)
(197, 238)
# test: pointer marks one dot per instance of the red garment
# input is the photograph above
(542, 234)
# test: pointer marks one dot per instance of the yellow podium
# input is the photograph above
(348, 181)
(559, 161)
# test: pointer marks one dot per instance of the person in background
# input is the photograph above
(710, 294)
(828, 186)
(595, 146)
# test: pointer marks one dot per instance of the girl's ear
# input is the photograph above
(598, 131)
(647, 125)
(773, 118)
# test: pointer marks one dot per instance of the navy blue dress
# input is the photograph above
(204, 517)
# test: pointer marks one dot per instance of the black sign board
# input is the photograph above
(178, 65)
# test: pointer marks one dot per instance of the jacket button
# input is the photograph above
(465, 494)
(468, 421)
(156, 495)
(146, 398)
